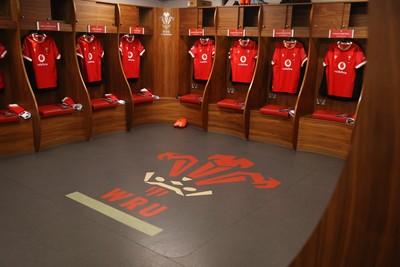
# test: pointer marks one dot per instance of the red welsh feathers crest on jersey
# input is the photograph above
(189, 178)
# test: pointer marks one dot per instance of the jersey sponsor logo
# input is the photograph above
(130, 54)
(288, 63)
(341, 65)
(90, 56)
(243, 59)
(42, 59)
(204, 57)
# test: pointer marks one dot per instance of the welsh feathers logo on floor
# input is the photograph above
(190, 178)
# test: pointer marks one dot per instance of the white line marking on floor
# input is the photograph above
(115, 214)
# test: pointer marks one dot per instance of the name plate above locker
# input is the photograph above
(47, 26)
(341, 33)
(196, 32)
(282, 33)
(136, 30)
(97, 28)
(236, 32)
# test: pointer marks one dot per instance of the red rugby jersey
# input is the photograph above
(3, 52)
(91, 52)
(131, 50)
(243, 55)
(287, 61)
(341, 62)
(202, 52)
(42, 51)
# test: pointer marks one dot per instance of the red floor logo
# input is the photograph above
(189, 178)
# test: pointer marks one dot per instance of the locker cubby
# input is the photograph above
(54, 130)
(318, 135)
(275, 128)
(193, 101)
(238, 17)
(112, 118)
(228, 120)
(18, 136)
(191, 89)
(278, 127)
(134, 16)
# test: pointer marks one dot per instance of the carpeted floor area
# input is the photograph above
(161, 196)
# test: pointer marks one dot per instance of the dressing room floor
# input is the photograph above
(160, 196)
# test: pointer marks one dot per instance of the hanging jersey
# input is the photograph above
(340, 68)
(91, 52)
(42, 51)
(243, 56)
(287, 61)
(3, 52)
(131, 50)
(202, 53)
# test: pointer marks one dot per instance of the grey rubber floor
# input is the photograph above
(238, 222)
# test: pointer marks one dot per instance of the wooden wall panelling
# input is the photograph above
(339, 134)
(35, 10)
(188, 19)
(361, 222)
(249, 18)
(227, 18)
(96, 13)
(164, 66)
(5, 11)
(115, 79)
(255, 91)
(17, 137)
(128, 17)
(274, 17)
(327, 16)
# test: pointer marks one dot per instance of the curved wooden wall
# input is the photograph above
(360, 227)
(17, 137)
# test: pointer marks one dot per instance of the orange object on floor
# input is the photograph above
(180, 123)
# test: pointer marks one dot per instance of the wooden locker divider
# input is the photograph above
(231, 121)
(272, 128)
(110, 119)
(15, 137)
(202, 19)
(323, 136)
(162, 67)
(65, 128)
(139, 17)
